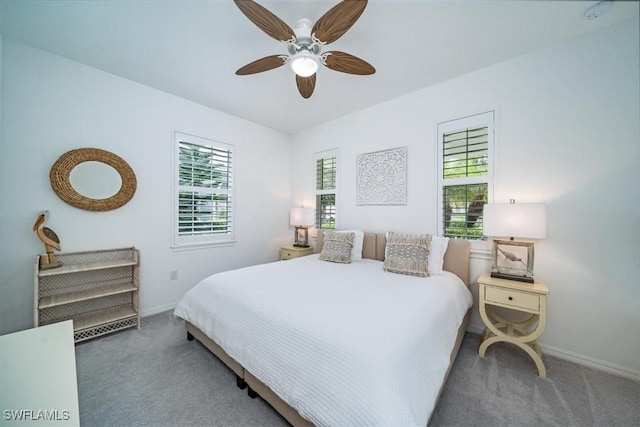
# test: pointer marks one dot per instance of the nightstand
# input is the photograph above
(524, 297)
(290, 252)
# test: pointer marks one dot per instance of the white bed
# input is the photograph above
(339, 344)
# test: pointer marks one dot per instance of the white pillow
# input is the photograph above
(436, 254)
(358, 242)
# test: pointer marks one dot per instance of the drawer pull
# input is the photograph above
(510, 298)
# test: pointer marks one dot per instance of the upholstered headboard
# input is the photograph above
(456, 259)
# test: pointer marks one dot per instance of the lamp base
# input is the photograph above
(301, 238)
(512, 277)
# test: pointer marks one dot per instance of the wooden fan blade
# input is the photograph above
(263, 64)
(346, 63)
(265, 20)
(333, 24)
(306, 85)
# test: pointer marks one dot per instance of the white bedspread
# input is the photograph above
(344, 344)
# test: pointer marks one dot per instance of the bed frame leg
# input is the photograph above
(189, 336)
(240, 382)
(251, 392)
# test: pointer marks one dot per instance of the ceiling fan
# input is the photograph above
(305, 43)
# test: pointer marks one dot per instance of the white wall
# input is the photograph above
(52, 105)
(567, 135)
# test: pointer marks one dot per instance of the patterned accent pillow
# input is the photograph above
(407, 253)
(337, 247)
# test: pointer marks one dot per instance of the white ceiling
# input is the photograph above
(192, 48)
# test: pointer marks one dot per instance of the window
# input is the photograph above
(203, 196)
(326, 188)
(465, 151)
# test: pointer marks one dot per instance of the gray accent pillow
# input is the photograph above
(407, 253)
(337, 247)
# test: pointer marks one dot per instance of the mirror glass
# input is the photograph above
(95, 180)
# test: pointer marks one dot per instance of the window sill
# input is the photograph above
(203, 245)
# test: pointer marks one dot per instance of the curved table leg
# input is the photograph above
(526, 341)
(486, 343)
(535, 355)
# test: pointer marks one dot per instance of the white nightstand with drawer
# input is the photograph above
(524, 297)
(290, 252)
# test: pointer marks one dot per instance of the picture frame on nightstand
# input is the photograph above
(512, 260)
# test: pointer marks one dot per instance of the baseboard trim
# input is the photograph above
(475, 329)
(580, 359)
(158, 310)
(590, 362)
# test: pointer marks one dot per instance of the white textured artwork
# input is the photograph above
(382, 177)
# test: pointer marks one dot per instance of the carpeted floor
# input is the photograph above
(504, 389)
(155, 377)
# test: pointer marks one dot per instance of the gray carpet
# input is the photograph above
(155, 377)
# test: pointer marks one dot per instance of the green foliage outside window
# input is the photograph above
(463, 206)
(326, 211)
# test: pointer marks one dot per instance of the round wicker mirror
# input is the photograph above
(61, 184)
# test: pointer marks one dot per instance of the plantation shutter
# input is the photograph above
(205, 196)
(466, 148)
(326, 172)
(465, 153)
(462, 216)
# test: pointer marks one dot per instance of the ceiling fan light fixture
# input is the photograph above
(305, 44)
(304, 64)
(597, 10)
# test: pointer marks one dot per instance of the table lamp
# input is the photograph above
(511, 259)
(301, 218)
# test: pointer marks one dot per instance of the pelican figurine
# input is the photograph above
(512, 257)
(50, 240)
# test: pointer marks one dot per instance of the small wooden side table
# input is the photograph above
(524, 297)
(290, 252)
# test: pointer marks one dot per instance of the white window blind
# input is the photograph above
(326, 189)
(465, 150)
(203, 202)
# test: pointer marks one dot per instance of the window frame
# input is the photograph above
(488, 119)
(193, 242)
(326, 154)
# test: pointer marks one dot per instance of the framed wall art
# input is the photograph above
(512, 260)
(382, 177)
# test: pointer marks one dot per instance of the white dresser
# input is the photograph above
(38, 377)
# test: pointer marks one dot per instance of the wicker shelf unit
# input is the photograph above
(98, 290)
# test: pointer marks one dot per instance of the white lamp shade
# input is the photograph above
(523, 220)
(302, 216)
(304, 64)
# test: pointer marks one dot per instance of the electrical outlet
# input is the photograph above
(173, 275)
